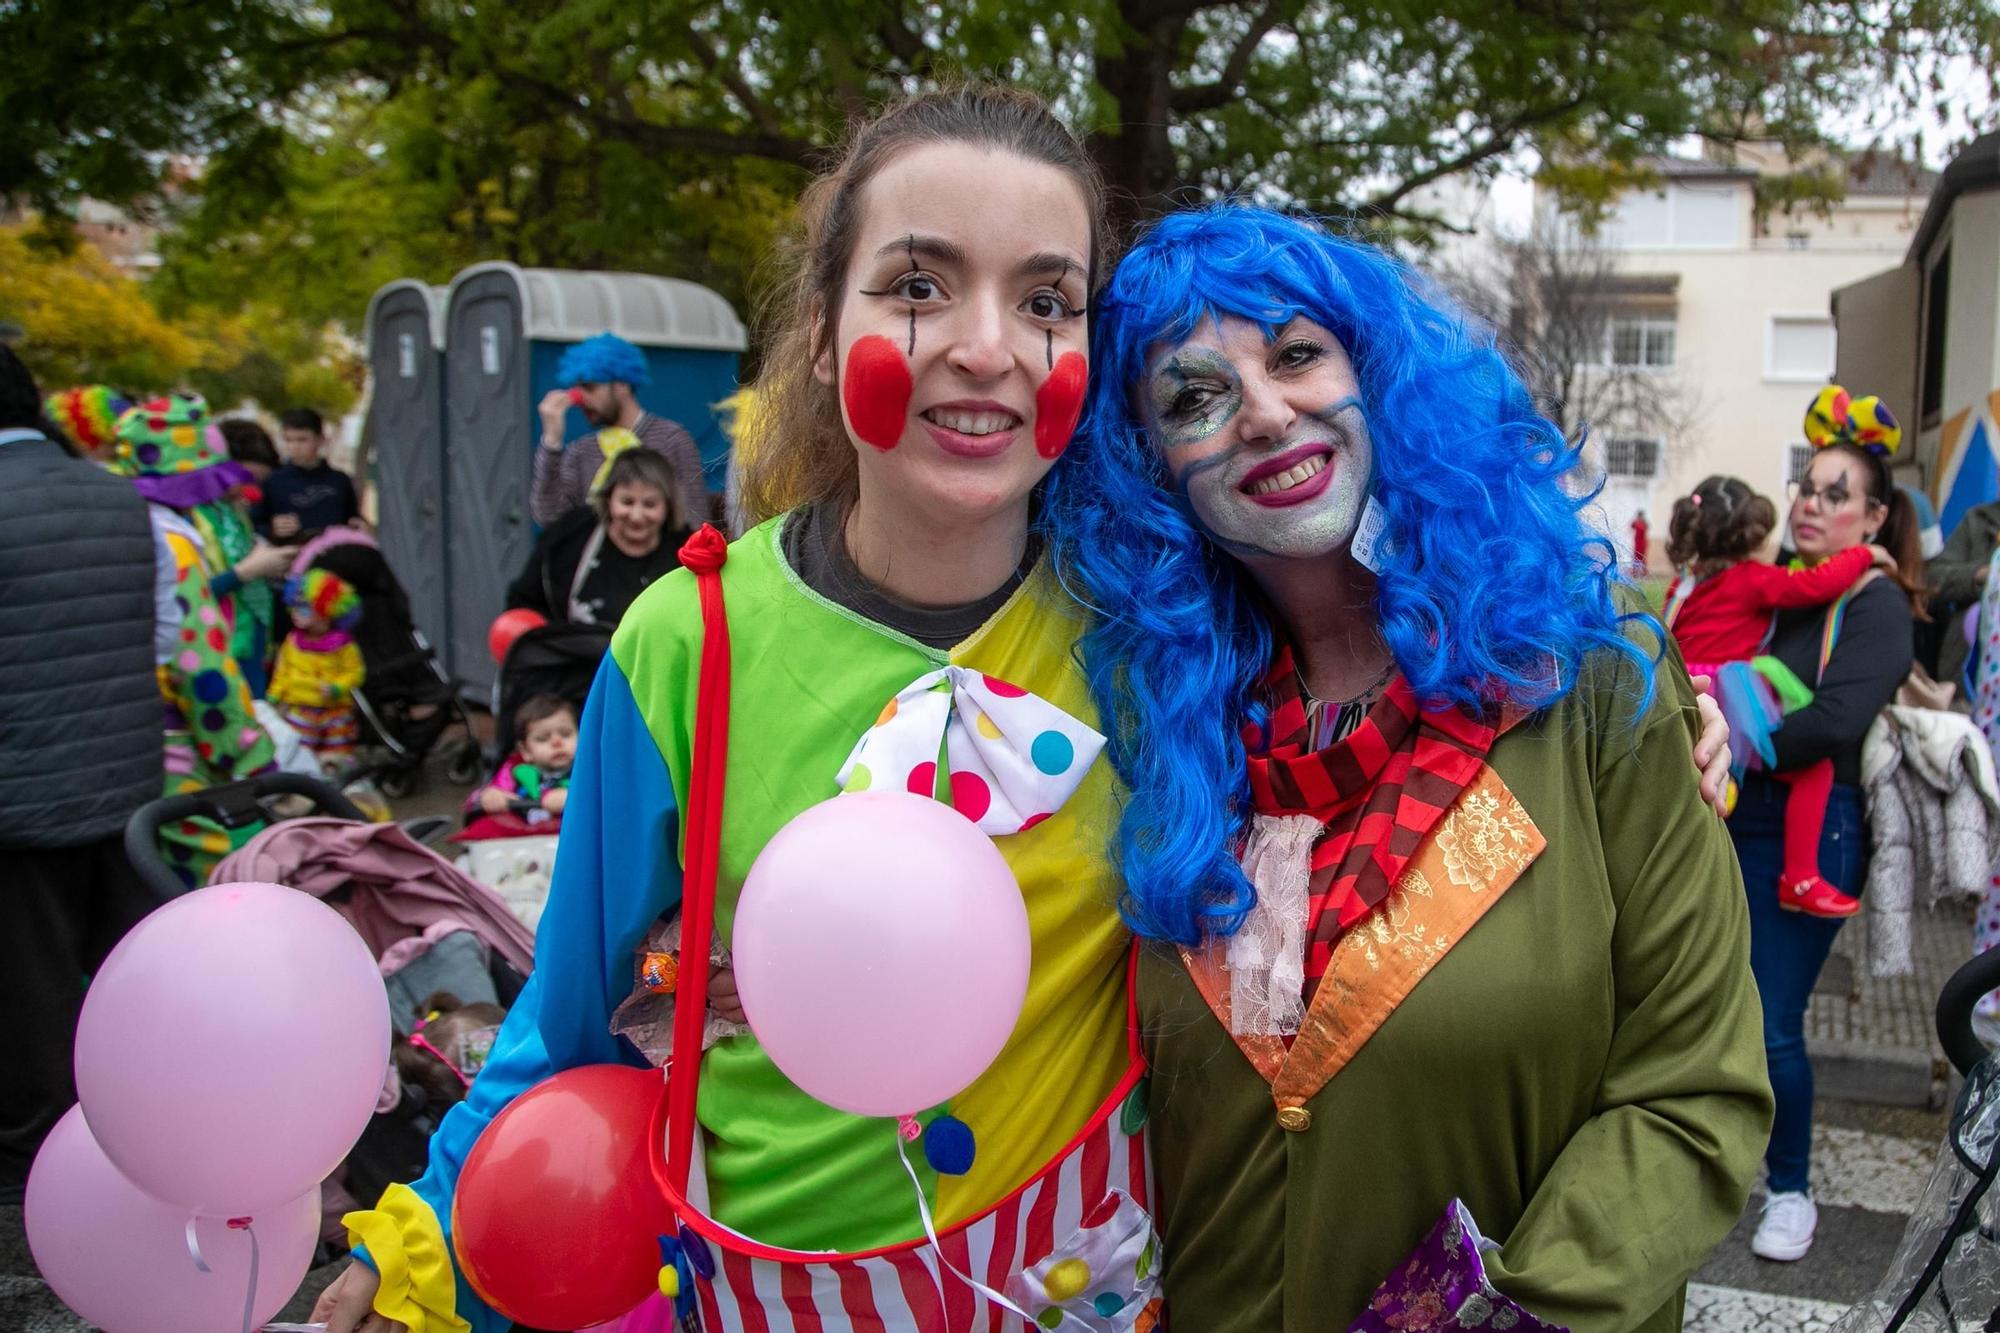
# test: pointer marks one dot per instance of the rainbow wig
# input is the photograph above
(1492, 588)
(320, 594)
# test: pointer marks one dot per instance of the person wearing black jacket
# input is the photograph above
(80, 748)
(1844, 500)
(593, 562)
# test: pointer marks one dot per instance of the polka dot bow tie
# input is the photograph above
(1013, 757)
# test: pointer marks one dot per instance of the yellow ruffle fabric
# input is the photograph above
(407, 1247)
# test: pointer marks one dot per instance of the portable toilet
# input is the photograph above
(506, 329)
(405, 341)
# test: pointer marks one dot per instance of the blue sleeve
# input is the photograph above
(615, 873)
(225, 583)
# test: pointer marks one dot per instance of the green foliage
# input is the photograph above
(350, 141)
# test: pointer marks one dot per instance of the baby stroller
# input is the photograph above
(429, 926)
(1946, 1274)
(407, 703)
(514, 853)
(560, 658)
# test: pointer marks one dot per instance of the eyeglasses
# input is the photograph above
(1833, 497)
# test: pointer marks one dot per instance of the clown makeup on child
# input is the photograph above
(1265, 436)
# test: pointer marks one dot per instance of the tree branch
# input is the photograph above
(1208, 96)
(1502, 139)
(732, 79)
(905, 45)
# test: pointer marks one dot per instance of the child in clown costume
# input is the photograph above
(169, 449)
(319, 665)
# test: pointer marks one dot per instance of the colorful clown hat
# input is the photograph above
(174, 454)
(89, 416)
(320, 594)
(1837, 417)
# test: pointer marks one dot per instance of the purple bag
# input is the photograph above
(1442, 1285)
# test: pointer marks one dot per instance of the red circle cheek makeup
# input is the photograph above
(876, 391)
(1058, 404)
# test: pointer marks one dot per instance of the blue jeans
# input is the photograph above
(1787, 950)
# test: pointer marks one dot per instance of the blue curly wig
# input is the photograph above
(1492, 589)
(604, 359)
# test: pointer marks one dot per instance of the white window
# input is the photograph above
(1799, 348)
(1708, 215)
(1638, 342)
(1636, 456)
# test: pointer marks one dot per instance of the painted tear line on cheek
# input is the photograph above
(1058, 404)
(876, 391)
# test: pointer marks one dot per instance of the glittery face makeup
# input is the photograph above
(1267, 438)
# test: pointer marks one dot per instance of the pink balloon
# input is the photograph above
(232, 1047)
(881, 949)
(119, 1257)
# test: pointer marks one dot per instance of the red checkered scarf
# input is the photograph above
(1379, 793)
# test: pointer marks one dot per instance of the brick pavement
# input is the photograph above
(1874, 1039)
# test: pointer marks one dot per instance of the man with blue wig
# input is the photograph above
(600, 377)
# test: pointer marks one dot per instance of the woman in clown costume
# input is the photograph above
(171, 451)
(1443, 938)
(953, 251)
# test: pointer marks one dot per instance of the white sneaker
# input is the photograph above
(1786, 1230)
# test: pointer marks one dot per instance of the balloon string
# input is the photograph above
(930, 1231)
(201, 1262)
(250, 1296)
(194, 1247)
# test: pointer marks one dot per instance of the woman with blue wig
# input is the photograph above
(1443, 937)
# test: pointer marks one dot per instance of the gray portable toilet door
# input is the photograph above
(408, 426)
(487, 438)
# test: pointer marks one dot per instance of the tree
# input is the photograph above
(1556, 297)
(671, 134)
(83, 321)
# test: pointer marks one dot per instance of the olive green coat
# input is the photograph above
(1584, 1067)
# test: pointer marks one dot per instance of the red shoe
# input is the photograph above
(1815, 897)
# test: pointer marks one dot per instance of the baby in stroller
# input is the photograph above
(534, 781)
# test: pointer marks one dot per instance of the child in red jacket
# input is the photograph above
(1719, 608)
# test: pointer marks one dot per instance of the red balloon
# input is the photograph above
(509, 626)
(558, 1217)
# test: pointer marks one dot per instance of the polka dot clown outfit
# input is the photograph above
(821, 697)
(176, 457)
(319, 665)
(212, 735)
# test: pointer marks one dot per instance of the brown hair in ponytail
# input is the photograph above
(1723, 521)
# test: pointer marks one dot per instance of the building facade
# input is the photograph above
(1717, 323)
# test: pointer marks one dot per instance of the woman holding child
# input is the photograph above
(926, 383)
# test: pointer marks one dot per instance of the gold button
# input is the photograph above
(1294, 1119)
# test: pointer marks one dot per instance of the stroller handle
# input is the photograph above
(1961, 993)
(232, 805)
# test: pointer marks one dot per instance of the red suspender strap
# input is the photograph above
(703, 554)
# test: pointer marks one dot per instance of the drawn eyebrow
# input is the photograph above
(1060, 265)
(931, 247)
